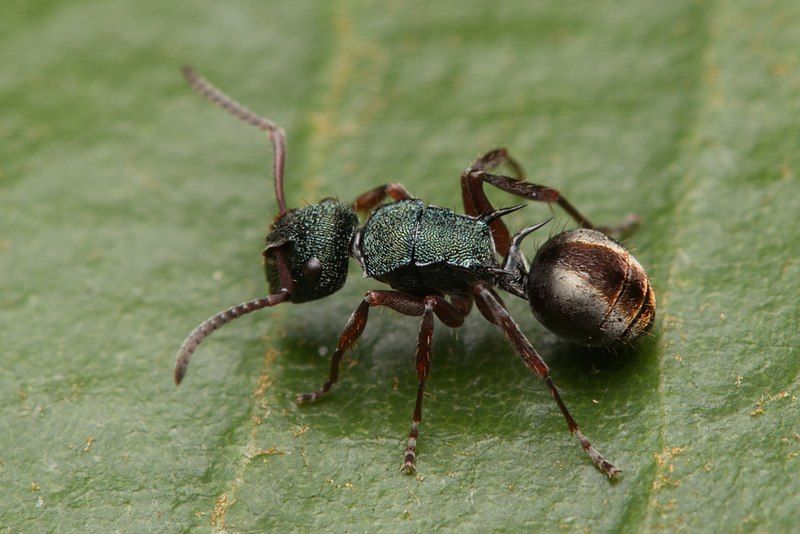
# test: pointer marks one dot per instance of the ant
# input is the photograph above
(582, 285)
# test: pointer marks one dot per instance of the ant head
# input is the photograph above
(315, 244)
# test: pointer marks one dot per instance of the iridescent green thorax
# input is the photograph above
(387, 239)
(317, 235)
(448, 237)
(422, 249)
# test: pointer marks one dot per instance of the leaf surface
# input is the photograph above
(131, 210)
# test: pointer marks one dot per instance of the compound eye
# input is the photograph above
(311, 270)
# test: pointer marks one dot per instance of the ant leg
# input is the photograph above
(495, 158)
(369, 201)
(352, 331)
(401, 302)
(475, 201)
(423, 363)
(551, 196)
(485, 309)
(276, 134)
(493, 310)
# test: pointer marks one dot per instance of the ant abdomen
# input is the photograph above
(587, 288)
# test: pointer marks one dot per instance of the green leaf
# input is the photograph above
(131, 210)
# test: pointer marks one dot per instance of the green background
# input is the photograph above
(130, 210)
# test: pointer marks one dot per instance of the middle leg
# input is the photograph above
(423, 364)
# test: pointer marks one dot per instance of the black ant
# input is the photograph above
(582, 285)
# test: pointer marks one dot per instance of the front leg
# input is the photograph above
(400, 302)
(412, 305)
(370, 200)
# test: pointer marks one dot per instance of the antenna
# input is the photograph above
(276, 134)
(205, 328)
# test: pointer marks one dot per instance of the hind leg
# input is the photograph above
(476, 203)
(474, 198)
(493, 309)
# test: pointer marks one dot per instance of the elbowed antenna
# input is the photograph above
(276, 134)
(205, 328)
